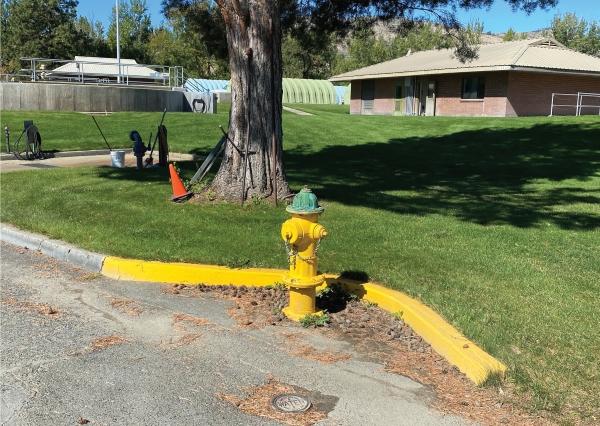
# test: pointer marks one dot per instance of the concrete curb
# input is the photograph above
(173, 156)
(59, 250)
(475, 363)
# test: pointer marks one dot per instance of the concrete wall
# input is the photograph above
(87, 98)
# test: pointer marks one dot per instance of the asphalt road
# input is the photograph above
(56, 371)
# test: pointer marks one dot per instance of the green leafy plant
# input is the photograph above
(315, 320)
(398, 314)
(277, 286)
(368, 303)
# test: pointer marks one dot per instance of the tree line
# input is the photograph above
(52, 29)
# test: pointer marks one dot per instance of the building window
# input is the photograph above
(473, 88)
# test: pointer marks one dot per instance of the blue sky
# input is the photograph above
(498, 19)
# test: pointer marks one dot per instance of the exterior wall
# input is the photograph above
(449, 92)
(88, 98)
(530, 93)
(384, 96)
(448, 95)
(355, 95)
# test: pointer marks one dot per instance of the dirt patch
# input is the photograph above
(127, 306)
(258, 403)
(27, 306)
(104, 342)
(378, 336)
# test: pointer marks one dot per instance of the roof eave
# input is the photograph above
(462, 71)
(418, 73)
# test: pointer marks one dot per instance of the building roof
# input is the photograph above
(106, 67)
(544, 54)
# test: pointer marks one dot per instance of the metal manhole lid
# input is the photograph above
(290, 403)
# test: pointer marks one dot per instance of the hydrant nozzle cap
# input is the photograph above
(305, 202)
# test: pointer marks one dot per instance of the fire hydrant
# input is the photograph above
(302, 235)
(139, 149)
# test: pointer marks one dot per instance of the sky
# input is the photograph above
(499, 19)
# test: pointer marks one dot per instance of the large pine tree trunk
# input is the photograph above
(249, 41)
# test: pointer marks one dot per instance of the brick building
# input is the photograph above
(508, 79)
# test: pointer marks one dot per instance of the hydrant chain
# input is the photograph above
(294, 254)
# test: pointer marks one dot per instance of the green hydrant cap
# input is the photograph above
(305, 202)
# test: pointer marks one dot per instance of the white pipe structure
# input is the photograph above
(118, 44)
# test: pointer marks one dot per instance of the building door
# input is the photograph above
(430, 101)
(398, 92)
(422, 93)
(368, 97)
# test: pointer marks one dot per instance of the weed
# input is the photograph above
(315, 320)
(368, 303)
(210, 196)
(259, 201)
(398, 314)
(335, 296)
(277, 286)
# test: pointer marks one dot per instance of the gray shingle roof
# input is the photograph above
(544, 54)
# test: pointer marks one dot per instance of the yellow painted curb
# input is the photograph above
(476, 364)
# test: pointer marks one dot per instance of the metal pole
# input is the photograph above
(7, 133)
(273, 137)
(118, 45)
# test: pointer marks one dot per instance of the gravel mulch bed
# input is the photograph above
(378, 336)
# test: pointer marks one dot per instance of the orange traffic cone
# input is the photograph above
(180, 194)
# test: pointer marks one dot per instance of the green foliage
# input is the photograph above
(194, 38)
(94, 44)
(314, 320)
(277, 286)
(365, 48)
(398, 314)
(334, 295)
(577, 34)
(46, 29)
(135, 29)
(307, 54)
(512, 35)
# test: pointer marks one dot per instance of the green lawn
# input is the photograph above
(494, 222)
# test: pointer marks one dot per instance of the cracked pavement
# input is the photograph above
(77, 345)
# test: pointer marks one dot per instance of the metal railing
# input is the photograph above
(97, 72)
(43, 70)
(577, 106)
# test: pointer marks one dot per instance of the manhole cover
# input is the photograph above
(290, 403)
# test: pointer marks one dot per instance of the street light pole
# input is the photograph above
(118, 45)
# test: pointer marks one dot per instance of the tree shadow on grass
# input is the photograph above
(151, 174)
(480, 176)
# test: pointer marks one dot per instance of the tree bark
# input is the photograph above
(249, 43)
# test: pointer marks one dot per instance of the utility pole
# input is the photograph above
(118, 45)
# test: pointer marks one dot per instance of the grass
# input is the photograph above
(72, 131)
(494, 222)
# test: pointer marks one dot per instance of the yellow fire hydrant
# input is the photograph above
(302, 235)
